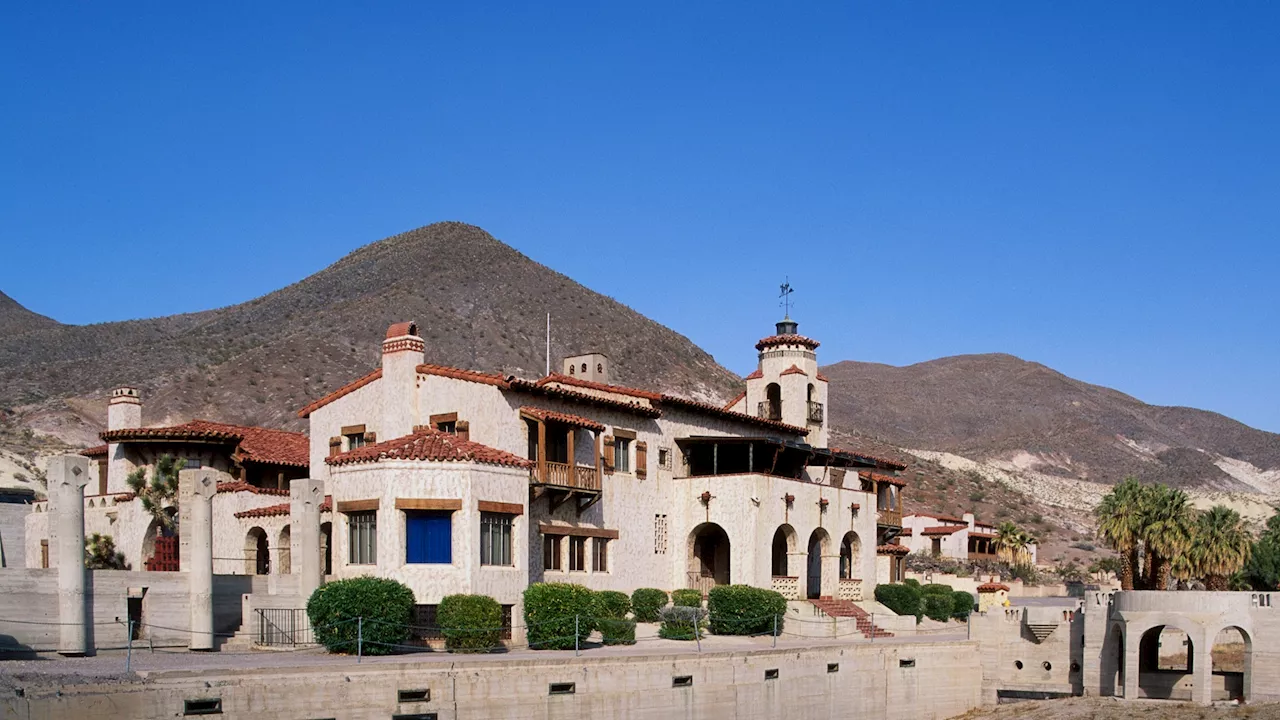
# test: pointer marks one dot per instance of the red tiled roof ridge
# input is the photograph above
(793, 370)
(741, 396)
(787, 340)
(892, 549)
(992, 587)
(755, 375)
(604, 387)
(257, 444)
(577, 420)
(242, 486)
(871, 458)
(890, 479)
(733, 414)
(943, 529)
(463, 374)
(944, 518)
(265, 511)
(94, 451)
(430, 445)
(344, 390)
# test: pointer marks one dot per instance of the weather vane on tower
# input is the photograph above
(786, 298)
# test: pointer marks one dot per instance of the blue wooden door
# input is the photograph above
(428, 537)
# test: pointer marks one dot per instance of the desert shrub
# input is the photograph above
(935, 589)
(961, 604)
(385, 605)
(617, 631)
(686, 598)
(744, 610)
(100, 554)
(551, 611)
(681, 622)
(470, 623)
(903, 599)
(611, 604)
(912, 582)
(938, 607)
(646, 602)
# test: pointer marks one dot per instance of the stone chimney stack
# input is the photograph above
(969, 520)
(124, 409)
(402, 352)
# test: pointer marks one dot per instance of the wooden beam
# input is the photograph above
(428, 504)
(591, 500)
(576, 531)
(345, 506)
(556, 502)
(542, 452)
(500, 507)
(569, 435)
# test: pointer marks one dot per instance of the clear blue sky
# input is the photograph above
(1094, 186)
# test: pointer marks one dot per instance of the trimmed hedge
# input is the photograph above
(745, 610)
(912, 582)
(937, 607)
(611, 604)
(686, 598)
(681, 622)
(903, 599)
(385, 605)
(470, 623)
(935, 589)
(961, 605)
(646, 602)
(550, 612)
(611, 609)
(616, 631)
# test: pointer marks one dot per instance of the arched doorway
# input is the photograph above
(1232, 671)
(1111, 680)
(708, 557)
(772, 409)
(818, 542)
(257, 553)
(850, 549)
(284, 552)
(326, 543)
(1166, 664)
(160, 546)
(784, 543)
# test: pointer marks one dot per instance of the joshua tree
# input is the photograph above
(161, 492)
(1221, 547)
(100, 554)
(1120, 526)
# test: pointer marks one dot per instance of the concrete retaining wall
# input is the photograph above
(916, 682)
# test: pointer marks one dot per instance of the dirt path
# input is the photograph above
(1115, 709)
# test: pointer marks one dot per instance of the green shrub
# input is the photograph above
(961, 604)
(550, 613)
(617, 631)
(935, 589)
(903, 599)
(470, 623)
(385, 605)
(912, 582)
(681, 622)
(646, 602)
(686, 598)
(745, 610)
(938, 607)
(611, 604)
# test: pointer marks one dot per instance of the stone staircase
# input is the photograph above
(846, 609)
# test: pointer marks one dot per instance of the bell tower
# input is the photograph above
(786, 385)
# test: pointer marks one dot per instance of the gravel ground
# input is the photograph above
(1116, 709)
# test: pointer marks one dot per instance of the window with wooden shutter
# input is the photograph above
(463, 430)
(608, 453)
(642, 459)
(370, 438)
(335, 445)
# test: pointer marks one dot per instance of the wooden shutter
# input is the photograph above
(642, 459)
(370, 438)
(608, 453)
(335, 445)
(463, 429)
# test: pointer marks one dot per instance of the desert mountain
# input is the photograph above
(479, 303)
(1027, 416)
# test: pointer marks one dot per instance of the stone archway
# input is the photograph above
(257, 552)
(284, 552)
(1166, 663)
(819, 544)
(850, 550)
(784, 545)
(1231, 656)
(326, 548)
(708, 557)
(1111, 680)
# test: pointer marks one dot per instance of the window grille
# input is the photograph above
(659, 534)
(495, 539)
(362, 534)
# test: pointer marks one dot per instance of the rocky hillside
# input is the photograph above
(1024, 416)
(479, 304)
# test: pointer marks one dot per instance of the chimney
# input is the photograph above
(124, 409)
(968, 518)
(403, 351)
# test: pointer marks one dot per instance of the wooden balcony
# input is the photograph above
(768, 411)
(891, 518)
(563, 482)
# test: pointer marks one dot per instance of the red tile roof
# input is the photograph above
(344, 390)
(982, 536)
(268, 511)
(242, 486)
(993, 587)
(95, 451)
(255, 444)
(943, 529)
(794, 370)
(617, 389)
(892, 550)
(773, 340)
(732, 414)
(871, 459)
(889, 479)
(460, 374)
(644, 409)
(575, 420)
(755, 375)
(735, 401)
(944, 518)
(401, 329)
(906, 532)
(432, 445)
(820, 376)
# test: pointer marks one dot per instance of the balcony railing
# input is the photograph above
(768, 411)
(816, 414)
(567, 476)
(889, 517)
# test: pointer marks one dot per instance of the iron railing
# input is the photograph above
(284, 627)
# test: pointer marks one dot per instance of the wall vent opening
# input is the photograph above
(202, 706)
(412, 696)
(562, 688)
(682, 681)
(833, 667)
(771, 674)
(907, 662)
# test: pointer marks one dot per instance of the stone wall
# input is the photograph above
(13, 534)
(901, 681)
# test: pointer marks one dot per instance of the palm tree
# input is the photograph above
(1222, 547)
(1120, 526)
(161, 492)
(1007, 541)
(1167, 525)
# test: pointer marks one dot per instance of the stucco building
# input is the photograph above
(959, 538)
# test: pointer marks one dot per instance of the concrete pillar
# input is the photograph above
(1202, 670)
(67, 476)
(197, 488)
(305, 497)
(1132, 666)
